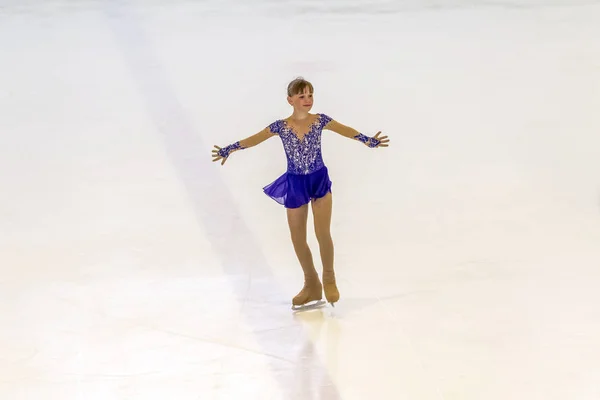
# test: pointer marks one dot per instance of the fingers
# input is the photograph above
(216, 156)
(220, 158)
(383, 140)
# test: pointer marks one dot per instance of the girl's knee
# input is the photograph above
(323, 237)
(298, 237)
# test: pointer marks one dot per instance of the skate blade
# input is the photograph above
(309, 306)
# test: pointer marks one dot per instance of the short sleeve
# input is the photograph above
(325, 119)
(276, 126)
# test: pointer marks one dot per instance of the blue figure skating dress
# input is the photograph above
(307, 176)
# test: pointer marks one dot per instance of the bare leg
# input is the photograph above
(322, 215)
(312, 289)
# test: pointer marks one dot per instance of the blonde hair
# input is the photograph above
(298, 85)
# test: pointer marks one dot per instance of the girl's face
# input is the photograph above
(302, 101)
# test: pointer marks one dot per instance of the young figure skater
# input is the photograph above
(306, 181)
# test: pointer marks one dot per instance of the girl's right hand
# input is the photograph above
(217, 156)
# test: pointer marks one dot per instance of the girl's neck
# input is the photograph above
(299, 115)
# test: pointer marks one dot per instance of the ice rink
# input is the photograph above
(467, 253)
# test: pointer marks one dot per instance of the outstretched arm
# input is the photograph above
(251, 141)
(352, 133)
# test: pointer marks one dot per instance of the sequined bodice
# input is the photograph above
(303, 153)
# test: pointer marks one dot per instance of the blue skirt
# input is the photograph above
(293, 191)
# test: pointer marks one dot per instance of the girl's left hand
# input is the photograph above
(382, 141)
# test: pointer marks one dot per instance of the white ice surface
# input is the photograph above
(467, 253)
